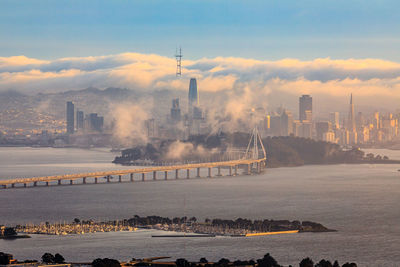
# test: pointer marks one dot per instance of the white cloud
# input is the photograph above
(365, 77)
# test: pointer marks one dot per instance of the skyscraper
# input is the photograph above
(96, 122)
(70, 117)
(351, 121)
(175, 110)
(79, 119)
(334, 119)
(305, 108)
(193, 95)
(286, 123)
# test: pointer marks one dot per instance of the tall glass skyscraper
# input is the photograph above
(351, 120)
(193, 94)
(70, 117)
(305, 108)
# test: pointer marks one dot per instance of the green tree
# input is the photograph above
(58, 258)
(182, 263)
(307, 262)
(324, 263)
(203, 260)
(48, 258)
(105, 263)
(267, 261)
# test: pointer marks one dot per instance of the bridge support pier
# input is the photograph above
(119, 178)
(108, 178)
(176, 173)
(219, 171)
(47, 183)
(71, 182)
(248, 169)
(59, 182)
(209, 173)
(84, 180)
(198, 173)
(236, 169)
(143, 176)
(24, 184)
(131, 177)
(95, 180)
(165, 175)
(230, 170)
(154, 175)
(187, 174)
(34, 183)
(4, 186)
(12, 185)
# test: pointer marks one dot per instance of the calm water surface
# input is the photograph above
(360, 201)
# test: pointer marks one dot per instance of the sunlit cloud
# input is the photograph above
(147, 72)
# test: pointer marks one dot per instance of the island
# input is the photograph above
(282, 151)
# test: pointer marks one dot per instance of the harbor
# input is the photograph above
(76, 228)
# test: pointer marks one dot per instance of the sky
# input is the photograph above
(262, 29)
(327, 48)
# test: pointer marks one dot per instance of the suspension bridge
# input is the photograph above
(253, 160)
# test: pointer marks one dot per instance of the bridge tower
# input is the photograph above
(255, 146)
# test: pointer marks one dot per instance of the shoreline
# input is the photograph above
(182, 226)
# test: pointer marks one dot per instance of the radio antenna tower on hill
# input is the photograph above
(178, 62)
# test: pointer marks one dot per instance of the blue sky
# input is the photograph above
(251, 29)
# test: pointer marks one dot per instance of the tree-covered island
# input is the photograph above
(281, 151)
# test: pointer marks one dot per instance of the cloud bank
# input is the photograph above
(244, 78)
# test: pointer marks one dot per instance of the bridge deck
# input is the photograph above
(125, 172)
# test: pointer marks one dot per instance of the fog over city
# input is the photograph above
(270, 82)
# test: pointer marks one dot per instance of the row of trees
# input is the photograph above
(266, 261)
(240, 223)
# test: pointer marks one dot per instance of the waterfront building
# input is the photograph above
(343, 136)
(70, 117)
(266, 124)
(276, 125)
(376, 121)
(334, 119)
(322, 128)
(329, 137)
(297, 128)
(150, 126)
(79, 120)
(305, 108)
(363, 135)
(286, 123)
(175, 110)
(352, 138)
(360, 121)
(306, 129)
(351, 121)
(193, 98)
(96, 122)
